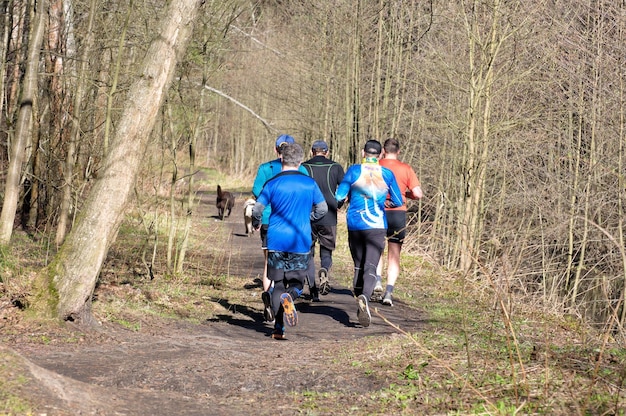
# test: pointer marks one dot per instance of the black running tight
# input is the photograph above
(366, 246)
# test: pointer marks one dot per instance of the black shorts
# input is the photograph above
(325, 234)
(282, 265)
(396, 226)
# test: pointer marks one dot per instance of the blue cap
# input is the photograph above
(320, 145)
(284, 138)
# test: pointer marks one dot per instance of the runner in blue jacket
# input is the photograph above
(265, 172)
(296, 200)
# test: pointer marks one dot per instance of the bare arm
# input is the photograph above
(415, 193)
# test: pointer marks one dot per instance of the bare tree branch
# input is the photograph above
(267, 125)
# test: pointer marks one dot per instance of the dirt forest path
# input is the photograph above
(227, 365)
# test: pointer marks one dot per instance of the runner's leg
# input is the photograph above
(355, 243)
(267, 283)
(326, 258)
(396, 233)
(393, 262)
(374, 243)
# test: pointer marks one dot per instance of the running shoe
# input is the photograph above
(324, 281)
(297, 293)
(268, 313)
(289, 309)
(387, 299)
(377, 295)
(279, 334)
(315, 294)
(363, 311)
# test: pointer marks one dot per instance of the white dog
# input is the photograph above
(247, 215)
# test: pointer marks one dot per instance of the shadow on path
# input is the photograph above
(334, 318)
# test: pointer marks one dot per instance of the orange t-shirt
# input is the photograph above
(405, 176)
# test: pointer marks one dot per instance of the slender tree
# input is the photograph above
(4, 48)
(68, 170)
(24, 123)
(64, 288)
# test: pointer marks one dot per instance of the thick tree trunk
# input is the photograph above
(65, 288)
(23, 127)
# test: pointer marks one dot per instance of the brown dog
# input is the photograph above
(225, 202)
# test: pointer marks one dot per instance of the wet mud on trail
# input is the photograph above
(226, 365)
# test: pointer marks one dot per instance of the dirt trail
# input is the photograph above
(227, 365)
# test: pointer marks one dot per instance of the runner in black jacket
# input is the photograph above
(328, 175)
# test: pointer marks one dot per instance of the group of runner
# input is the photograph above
(375, 192)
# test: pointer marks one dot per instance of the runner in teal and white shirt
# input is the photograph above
(366, 187)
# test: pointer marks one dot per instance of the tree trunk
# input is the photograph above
(68, 172)
(4, 49)
(19, 51)
(172, 233)
(23, 127)
(353, 92)
(65, 287)
(621, 184)
(478, 141)
(115, 76)
(195, 130)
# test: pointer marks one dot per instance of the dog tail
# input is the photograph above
(219, 192)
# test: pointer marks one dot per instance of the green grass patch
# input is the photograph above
(471, 357)
(11, 382)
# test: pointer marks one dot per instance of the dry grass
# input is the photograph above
(485, 350)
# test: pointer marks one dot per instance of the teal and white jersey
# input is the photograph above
(366, 186)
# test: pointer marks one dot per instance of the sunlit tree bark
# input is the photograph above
(64, 289)
(478, 136)
(75, 133)
(24, 122)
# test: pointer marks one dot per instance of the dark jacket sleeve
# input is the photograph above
(257, 214)
(319, 210)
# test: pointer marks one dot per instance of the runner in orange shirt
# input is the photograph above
(396, 217)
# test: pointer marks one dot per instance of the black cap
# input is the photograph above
(320, 146)
(373, 147)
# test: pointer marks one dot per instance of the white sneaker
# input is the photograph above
(377, 295)
(363, 311)
(324, 281)
(387, 299)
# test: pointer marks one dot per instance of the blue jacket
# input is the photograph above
(296, 200)
(266, 172)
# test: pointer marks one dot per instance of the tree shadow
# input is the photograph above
(256, 283)
(255, 315)
(319, 308)
(241, 235)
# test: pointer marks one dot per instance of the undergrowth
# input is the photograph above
(485, 353)
(481, 352)
(11, 384)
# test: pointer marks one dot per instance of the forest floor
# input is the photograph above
(197, 344)
(225, 364)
